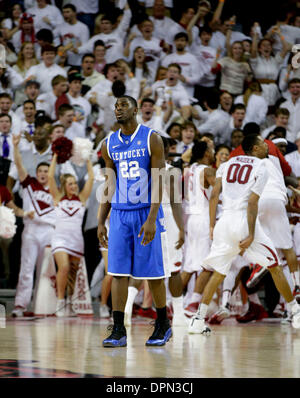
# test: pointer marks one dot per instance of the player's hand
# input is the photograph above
(211, 232)
(295, 190)
(30, 214)
(180, 242)
(16, 139)
(245, 243)
(149, 229)
(102, 236)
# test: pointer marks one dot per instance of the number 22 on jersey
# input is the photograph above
(130, 169)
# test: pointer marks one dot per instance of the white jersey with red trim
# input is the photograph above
(37, 198)
(175, 256)
(67, 235)
(275, 187)
(241, 176)
(198, 195)
(69, 213)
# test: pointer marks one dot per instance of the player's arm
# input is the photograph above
(261, 179)
(53, 189)
(157, 181)
(213, 204)
(252, 211)
(105, 204)
(176, 204)
(22, 172)
(88, 186)
(20, 212)
(210, 176)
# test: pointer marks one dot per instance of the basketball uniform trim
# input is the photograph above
(148, 141)
(107, 145)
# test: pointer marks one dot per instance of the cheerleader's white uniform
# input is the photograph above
(67, 236)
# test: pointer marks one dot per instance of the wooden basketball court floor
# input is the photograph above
(71, 348)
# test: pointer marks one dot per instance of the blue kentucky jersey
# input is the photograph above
(132, 158)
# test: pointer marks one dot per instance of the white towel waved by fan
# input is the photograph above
(7, 223)
(82, 151)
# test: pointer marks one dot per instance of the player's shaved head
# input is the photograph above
(131, 99)
(249, 141)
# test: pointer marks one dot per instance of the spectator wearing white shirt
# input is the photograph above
(10, 80)
(190, 68)
(173, 88)
(26, 59)
(149, 117)
(287, 73)
(281, 120)
(266, 67)
(27, 125)
(256, 105)
(126, 76)
(99, 52)
(112, 38)
(87, 11)
(293, 158)
(88, 72)
(31, 92)
(81, 106)
(103, 88)
(188, 135)
(218, 40)
(106, 116)
(44, 37)
(47, 101)
(234, 71)
(289, 31)
(206, 56)
(237, 120)
(186, 17)
(293, 105)
(148, 42)
(45, 16)
(11, 25)
(25, 33)
(6, 103)
(45, 71)
(72, 31)
(217, 122)
(140, 69)
(161, 22)
(66, 117)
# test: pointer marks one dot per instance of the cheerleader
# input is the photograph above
(67, 243)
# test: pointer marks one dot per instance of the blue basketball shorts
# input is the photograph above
(126, 255)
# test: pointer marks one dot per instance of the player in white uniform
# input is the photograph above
(67, 242)
(241, 180)
(274, 220)
(37, 231)
(173, 215)
(200, 182)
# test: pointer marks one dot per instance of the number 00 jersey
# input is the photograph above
(131, 155)
(241, 176)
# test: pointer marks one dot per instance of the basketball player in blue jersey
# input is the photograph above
(136, 242)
